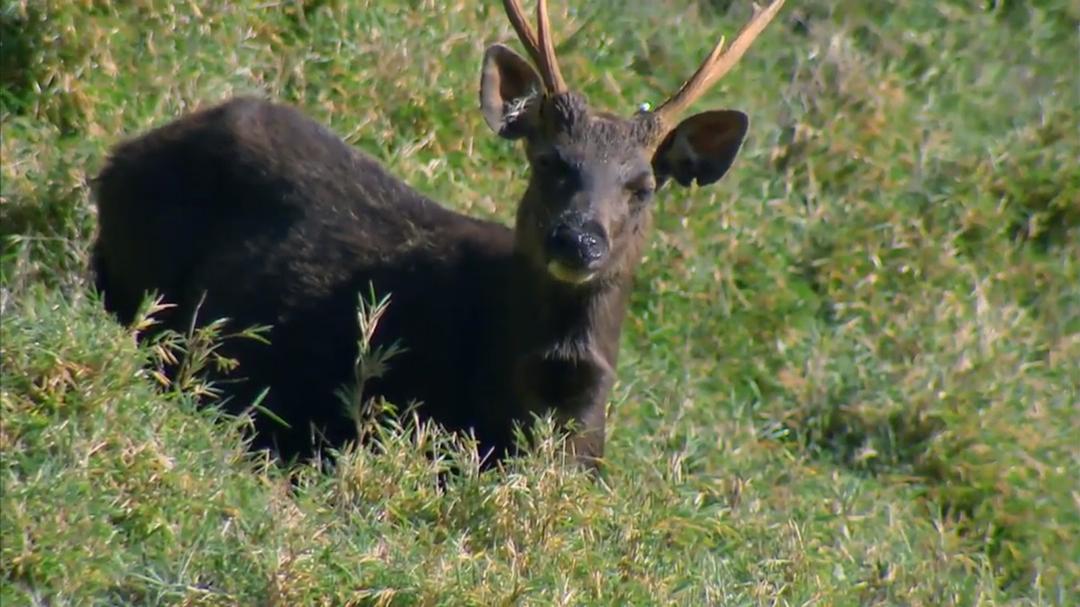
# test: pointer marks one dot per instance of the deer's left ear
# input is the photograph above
(701, 148)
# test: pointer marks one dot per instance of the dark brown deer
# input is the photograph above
(253, 212)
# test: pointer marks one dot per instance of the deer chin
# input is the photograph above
(569, 275)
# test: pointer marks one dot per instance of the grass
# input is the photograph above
(848, 377)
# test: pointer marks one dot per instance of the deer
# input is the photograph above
(250, 211)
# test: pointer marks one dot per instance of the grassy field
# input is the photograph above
(850, 374)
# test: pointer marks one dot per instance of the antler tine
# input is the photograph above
(541, 48)
(549, 64)
(718, 63)
(516, 15)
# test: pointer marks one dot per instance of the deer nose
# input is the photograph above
(578, 247)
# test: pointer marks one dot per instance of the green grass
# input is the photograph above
(849, 375)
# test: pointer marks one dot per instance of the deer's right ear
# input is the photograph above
(508, 87)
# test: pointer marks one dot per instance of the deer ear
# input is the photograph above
(508, 84)
(702, 147)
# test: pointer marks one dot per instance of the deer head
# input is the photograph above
(593, 174)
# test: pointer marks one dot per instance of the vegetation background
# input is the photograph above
(850, 372)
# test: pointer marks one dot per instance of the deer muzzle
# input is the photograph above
(576, 251)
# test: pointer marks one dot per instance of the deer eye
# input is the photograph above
(642, 188)
(555, 172)
(642, 194)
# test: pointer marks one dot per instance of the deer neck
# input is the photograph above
(559, 320)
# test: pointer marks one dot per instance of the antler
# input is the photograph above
(542, 49)
(718, 63)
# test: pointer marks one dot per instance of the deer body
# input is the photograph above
(251, 211)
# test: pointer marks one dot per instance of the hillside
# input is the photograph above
(849, 376)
